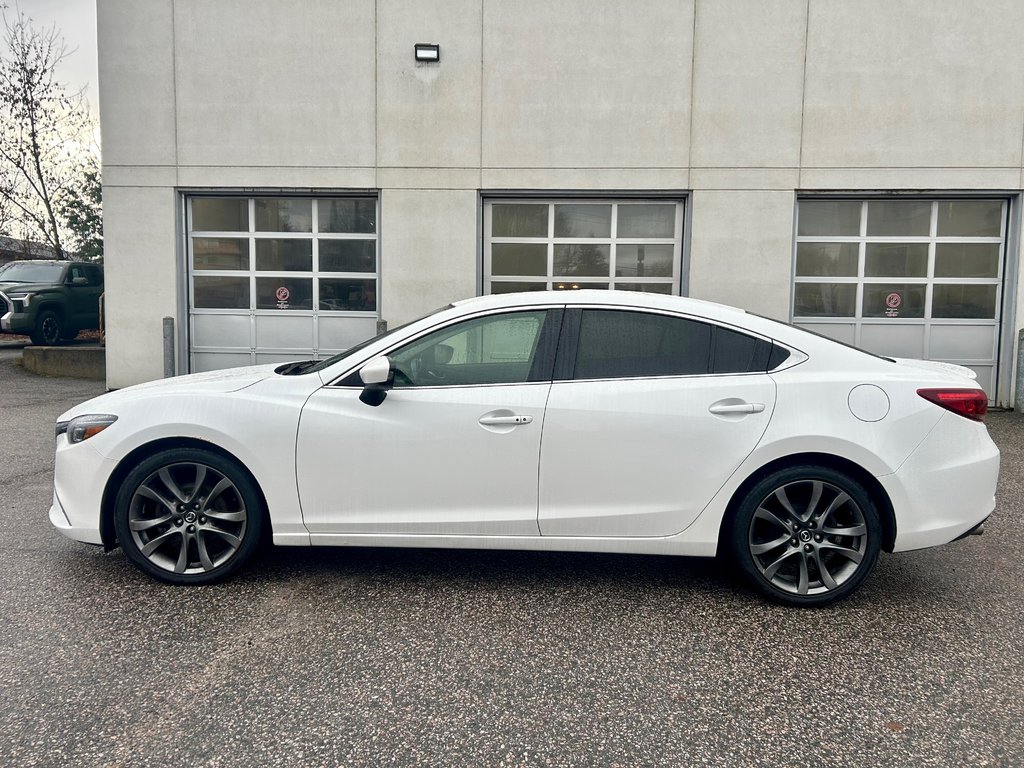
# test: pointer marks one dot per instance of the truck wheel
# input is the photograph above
(49, 329)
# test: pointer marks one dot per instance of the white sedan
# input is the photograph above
(596, 421)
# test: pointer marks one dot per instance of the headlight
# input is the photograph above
(83, 427)
(24, 298)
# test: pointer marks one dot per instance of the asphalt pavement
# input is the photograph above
(371, 657)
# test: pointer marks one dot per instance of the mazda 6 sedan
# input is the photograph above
(597, 421)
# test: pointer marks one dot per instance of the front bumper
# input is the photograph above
(947, 485)
(11, 321)
(80, 475)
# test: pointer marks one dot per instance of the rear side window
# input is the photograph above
(622, 344)
(617, 344)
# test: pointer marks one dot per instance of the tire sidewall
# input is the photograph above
(39, 335)
(229, 468)
(739, 533)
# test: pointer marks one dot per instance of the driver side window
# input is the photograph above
(497, 349)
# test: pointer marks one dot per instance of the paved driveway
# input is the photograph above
(375, 657)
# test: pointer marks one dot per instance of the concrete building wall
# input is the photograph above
(742, 104)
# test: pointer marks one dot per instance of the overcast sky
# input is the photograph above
(76, 20)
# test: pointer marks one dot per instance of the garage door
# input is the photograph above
(905, 278)
(279, 278)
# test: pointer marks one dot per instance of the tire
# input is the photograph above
(806, 536)
(188, 516)
(49, 329)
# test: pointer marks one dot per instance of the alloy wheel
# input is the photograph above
(187, 518)
(808, 537)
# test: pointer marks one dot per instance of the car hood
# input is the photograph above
(23, 287)
(211, 382)
(936, 367)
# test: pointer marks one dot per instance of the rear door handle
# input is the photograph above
(513, 420)
(737, 408)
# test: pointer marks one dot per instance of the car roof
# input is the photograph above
(683, 304)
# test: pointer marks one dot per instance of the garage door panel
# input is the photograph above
(963, 342)
(283, 332)
(846, 333)
(344, 332)
(893, 340)
(222, 331)
(214, 361)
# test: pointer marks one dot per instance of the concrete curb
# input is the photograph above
(79, 362)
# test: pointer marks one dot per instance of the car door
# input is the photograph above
(454, 446)
(84, 291)
(654, 412)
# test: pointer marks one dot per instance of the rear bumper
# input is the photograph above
(947, 485)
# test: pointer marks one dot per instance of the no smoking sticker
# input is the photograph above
(893, 301)
(283, 294)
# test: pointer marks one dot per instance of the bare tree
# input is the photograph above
(43, 131)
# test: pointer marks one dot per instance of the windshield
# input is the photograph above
(311, 366)
(27, 272)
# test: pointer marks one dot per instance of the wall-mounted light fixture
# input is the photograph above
(428, 52)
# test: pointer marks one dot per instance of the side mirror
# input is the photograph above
(378, 377)
(79, 281)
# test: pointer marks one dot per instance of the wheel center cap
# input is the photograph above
(190, 517)
(805, 536)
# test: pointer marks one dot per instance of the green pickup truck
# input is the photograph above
(51, 301)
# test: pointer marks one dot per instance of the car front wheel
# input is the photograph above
(188, 516)
(806, 536)
(49, 329)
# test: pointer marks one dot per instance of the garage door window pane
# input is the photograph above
(348, 255)
(582, 260)
(646, 220)
(825, 300)
(221, 292)
(583, 221)
(970, 218)
(967, 260)
(339, 294)
(896, 260)
(643, 260)
(664, 288)
(901, 218)
(284, 255)
(284, 293)
(519, 220)
(220, 253)
(829, 217)
(517, 287)
(826, 259)
(284, 215)
(220, 214)
(630, 344)
(350, 215)
(966, 301)
(519, 259)
(894, 300)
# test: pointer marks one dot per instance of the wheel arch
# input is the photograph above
(144, 451)
(831, 461)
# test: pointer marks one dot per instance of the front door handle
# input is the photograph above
(513, 420)
(737, 408)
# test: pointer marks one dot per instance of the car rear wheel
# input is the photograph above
(807, 535)
(49, 328)
(188, 516)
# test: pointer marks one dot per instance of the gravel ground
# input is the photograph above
(435, 658)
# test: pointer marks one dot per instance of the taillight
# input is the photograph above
(970, 403)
